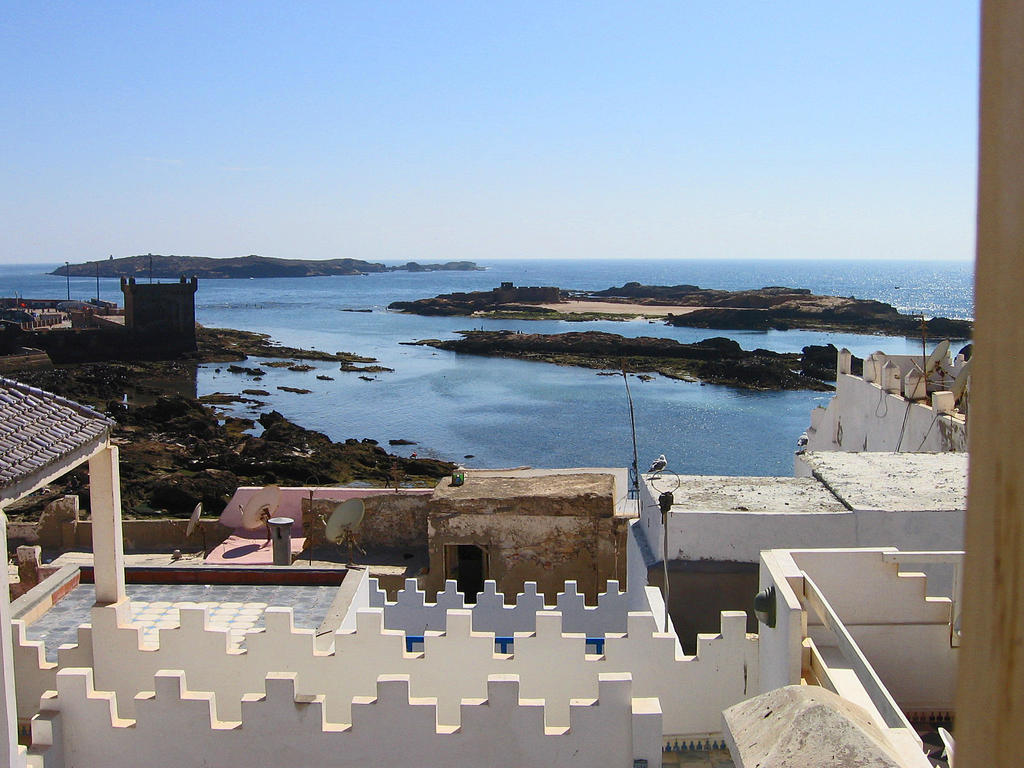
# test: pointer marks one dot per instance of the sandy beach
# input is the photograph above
(616, 308)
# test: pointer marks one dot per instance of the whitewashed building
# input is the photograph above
(894, 406)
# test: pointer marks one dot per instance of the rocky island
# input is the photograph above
(767, 308)
(714, 361)
(144, 265)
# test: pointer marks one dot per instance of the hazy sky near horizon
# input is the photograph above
(420, 130)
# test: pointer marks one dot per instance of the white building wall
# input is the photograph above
(412, 614)
(650, 524)
(361, 596)
(454, 665)
(905, 637)
(638, 557)
(175, 726)
(741, 536)
(863, 416)
(779, 647)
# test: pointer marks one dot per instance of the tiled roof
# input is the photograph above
(39, 430)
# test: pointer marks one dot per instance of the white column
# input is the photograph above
(8, 702)
(107, 542)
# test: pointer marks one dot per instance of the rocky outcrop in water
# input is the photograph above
(507, 296)
(772, 307)
(777, 307)
(714, 361)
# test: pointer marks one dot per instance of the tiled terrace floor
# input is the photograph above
(237, 608)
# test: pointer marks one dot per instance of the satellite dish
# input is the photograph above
(261, 507)
(963, 378)
(344, 520)
(194, 520)
(938, 354)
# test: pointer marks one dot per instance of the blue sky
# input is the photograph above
(392, 131)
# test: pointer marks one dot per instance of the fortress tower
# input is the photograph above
(165, 310)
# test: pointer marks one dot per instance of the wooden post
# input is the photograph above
(990, 694)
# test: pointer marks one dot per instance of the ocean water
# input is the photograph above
(511, 413)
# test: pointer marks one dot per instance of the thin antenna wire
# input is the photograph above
(636, 495)
(635, 473)
(924, 351)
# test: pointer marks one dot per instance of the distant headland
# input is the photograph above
(155, 265)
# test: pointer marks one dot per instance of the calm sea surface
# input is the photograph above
(510, 413)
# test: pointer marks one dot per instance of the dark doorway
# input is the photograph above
(467, 564)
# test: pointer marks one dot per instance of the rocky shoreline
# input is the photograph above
(177, 450)
(712, 361)
(767, 308)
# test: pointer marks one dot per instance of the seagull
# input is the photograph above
(658, 464)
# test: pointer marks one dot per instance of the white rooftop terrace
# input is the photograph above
(910, 501)
(897, 482)
(821, 623)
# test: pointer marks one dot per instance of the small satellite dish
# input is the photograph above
(261, 507)
(344, 520)
(194, 520)
(938, 354)
(343, 523)
(963, 378)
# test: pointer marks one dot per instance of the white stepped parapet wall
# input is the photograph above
(279, 725)
(413, 615)
(34, 674)
(906, 637)
(888, 409)
(454, 665)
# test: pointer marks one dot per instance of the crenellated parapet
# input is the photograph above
(175, 725)
(492, 612)
(449, 666)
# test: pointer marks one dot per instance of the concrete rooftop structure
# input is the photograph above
(557, 495)
(770, 495)
(843, 499)
(897, 482)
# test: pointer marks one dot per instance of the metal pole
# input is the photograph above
(97, 285)
(632, 425)
(67, 274)
(664, 560)
(924, 351)
(665, 502)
